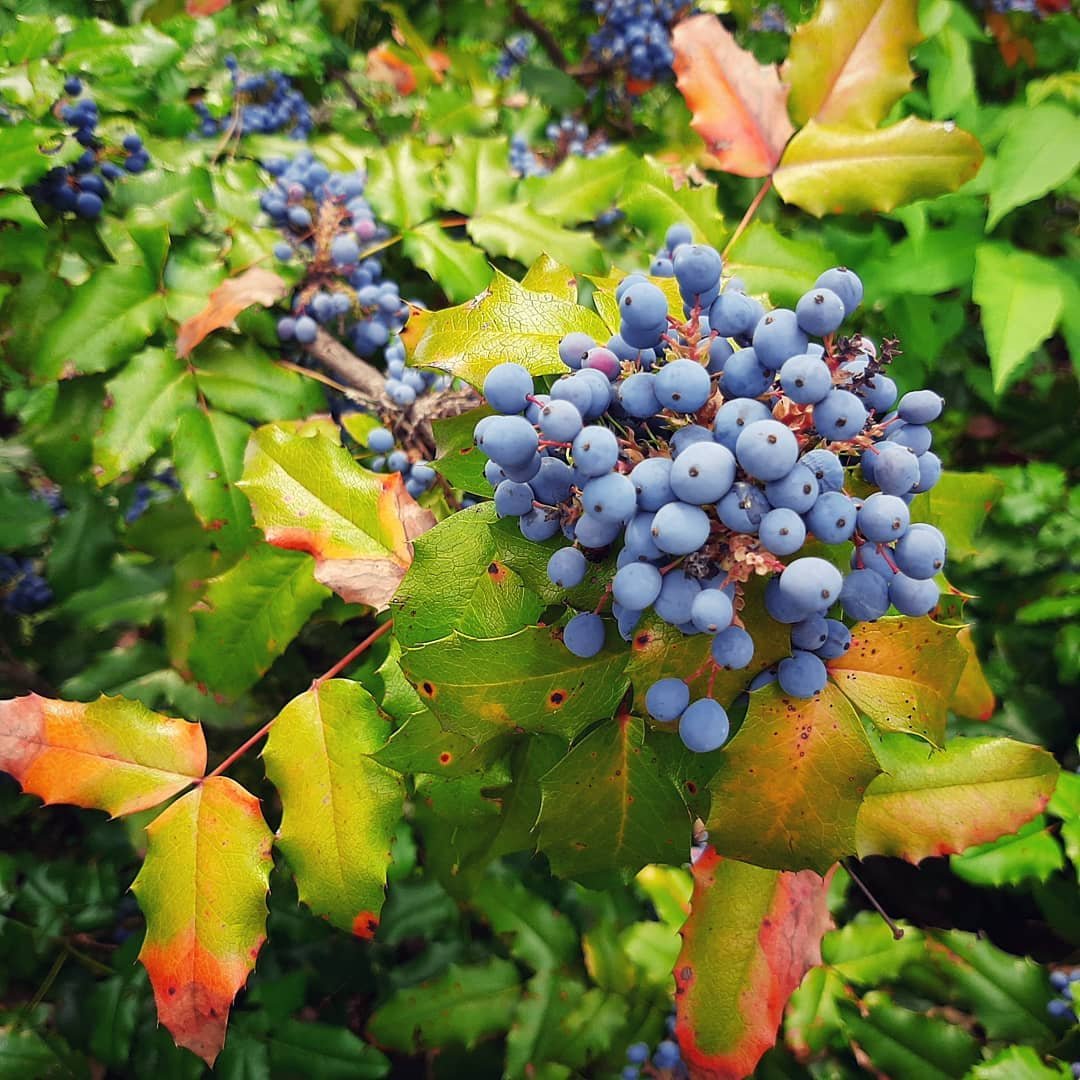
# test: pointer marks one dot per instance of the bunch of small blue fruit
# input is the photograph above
(714, 448)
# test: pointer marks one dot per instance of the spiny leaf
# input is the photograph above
(339, 806)
(309, 495)
(739, 106)
(505, 320)
(812, 1017)
(936, 802)
(459, 268)
(958, 504)
(477, 174)
(1030, 854)
(111, 754)
(1019, 1063)
(833, 169)
(551, 276)
(751, 937)
(865, 952)
(462, 1007)
(902, 673)
(653, 201)
(400, 183)
(783, 267)
(203, 891)
(790, 782)
(524, 234)
(849, 63)
(254, 286)
(580, 189)
(607, 805)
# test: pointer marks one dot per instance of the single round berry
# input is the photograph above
(703, 727)
(665, 701)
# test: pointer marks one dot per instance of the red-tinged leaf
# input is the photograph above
(309, 495)
(849, 63)
(203, 891)
(198, 8)
(1012, 46)
(790, 782)
(339, 805)
(111, 754)
(751, 937)
(938, 802)
(739, 106)
(384, 66)
(902, 673)
(973, 698)
(254, 286)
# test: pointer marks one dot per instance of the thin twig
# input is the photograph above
(751, 210)
(349, 368)
(351, 92)
(546, 39)
(897, 931)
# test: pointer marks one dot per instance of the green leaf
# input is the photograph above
(528, 681)
(113, 1007)
(1021, 297)
(178, 200)
(25, 1053)
(456, 582)
(751, 937)
(506, 320)
(339, 806)
(1065, 804)
(208, 448)
(812, 1019)
(477, 174)
(84, 541)
(142, 406)
(790, 782)
(250, 614)
(901, 673)
(958, 505)
(937, 802)
(28, 152)
(102, 324)
(542, 937)
(780, 266)
(607, 805)
(849, 63)
(522, 233)
(421, 745)
(652, 203)
(328, 1051)
(864, 952)
(1019, 1063)
(843, 169)
(1040, 152)
(460, 460)
(132, 591)
(309, 495)
(580, 189)
(400, 183)
(24, 520)
(457, 267)
(905, 1043)
(1031, 854)
(241, 378)
(462, 1007)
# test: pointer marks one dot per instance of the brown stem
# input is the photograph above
(546, 39)
(751, 210)
(349, 368)
(897, 931)
(350, 92)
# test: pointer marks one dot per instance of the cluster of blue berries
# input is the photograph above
(665, 1060)
(569, 138)
(83, 186)
(26, 591)
(161, 487)
(263, 103)
(419, 476)
(515, 53)
(327, 222)
(1063, 1005)
(712, 450)
(635, 35)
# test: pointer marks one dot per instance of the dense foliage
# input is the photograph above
(435, 440)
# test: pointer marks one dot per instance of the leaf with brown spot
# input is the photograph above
(902, 673)
(739, 106)
(939, 802)
(254, 286)
(751, 937)
(791, 781)
(307, 494)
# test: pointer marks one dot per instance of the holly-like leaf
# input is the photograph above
(608, 805)
(460, 460)
(751, 937)
(462, 1007)
(865, 952)
(812, 1017)
(849, 63)
(111, 754)
(653, 201)
(248, 616)
(400, 183)
(580, 189)
(203, 891)
(1019, 1063)
(309, 495)
(901, 1042)
(739, 106)
(783, 267)
(505, 320)
(459, 268)
(902, 673)
(254, 286)
(208, 448)
(551, 276)
(790, 782)
(339, 806)
(1065, 804)
(477, 174)
(1030, 854)
(528, 681)
(958, 504)
(522, 233)
(28, 151)
(931, 802)
(142, 406)
(833, 169)
(973, 699)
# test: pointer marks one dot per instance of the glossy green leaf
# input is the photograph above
(142, 407)
(653, 203)
(550, 276)
(580, 189)
(208, 448)
(958, 505)
(864, 951)
(249, 615)
(782, 267)
(477, 175)
(1065, 804)
(462, 1007)
(329, 1051)
(339, 806)
(1022, 298)
(812, 1019)
(400, 184)
(1031, 854)
(1019, 1063)
(29, 151)
(460, 460)
(522, 233)
(456, 266)
(608, 806)
(830, 169)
